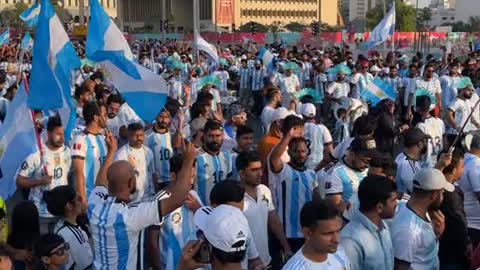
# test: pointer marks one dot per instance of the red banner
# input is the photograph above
(225, 12)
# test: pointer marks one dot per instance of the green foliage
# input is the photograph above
(260, 28)
(473, 25)
(424, 18)
(295, 27)
(405, 17)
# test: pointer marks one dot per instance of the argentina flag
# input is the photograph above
(30, 15)
(106, 42)
(5, 37)
(27, 41)
(378, 90)
(384, 29)
(267, 58)
(55, 59)
(144, 91)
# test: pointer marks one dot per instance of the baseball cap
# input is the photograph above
(280, 114)
(196, 125)
(414, 135)
(366, 147)
(225, 227)
(308, 110)
(430, 179)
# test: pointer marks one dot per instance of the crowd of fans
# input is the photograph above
(252, 165)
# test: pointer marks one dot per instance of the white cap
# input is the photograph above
(308, 110)
(430, 180)
(280, 114)
(225, 227)
(374, 68)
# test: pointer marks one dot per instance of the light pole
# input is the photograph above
(81, 12)
(196, 24)
(163, 24)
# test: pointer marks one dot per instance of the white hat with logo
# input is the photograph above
(225, 227)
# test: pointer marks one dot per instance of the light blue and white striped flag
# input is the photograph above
(30, 15)
(17, 141)
(144, 91)
(209, 49)
(55, 59)
(384, 29)
(5, 37)
(27, 41)
(378, 90)
(267, 58)
(106, 42)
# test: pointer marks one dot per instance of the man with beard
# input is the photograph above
(213, 165)
(289, 84)
(293, 184)
(89, 149)
(119, 115)
(161, 141)
(236, 117)
(409, 162)
(449, 84)
(339, 88)
(366, 238)
(141, 158)
(419, 225)
(258, 82)
(460, 109)
(258, 206)
(274, 100)
(46, 169)
(430, 84)
(341, 182)
(361, 79)
(410, 83)
(321, 226)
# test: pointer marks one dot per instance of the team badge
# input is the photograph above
(265, 199)
(176, 218)
(56, 160)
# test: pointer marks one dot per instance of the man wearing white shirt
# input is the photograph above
(141, 158)
(274, 100)
(289, 85)
(460, 109)
(430, 84)
(258, 206)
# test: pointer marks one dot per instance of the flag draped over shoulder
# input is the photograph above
(55, 59)
(17, 141)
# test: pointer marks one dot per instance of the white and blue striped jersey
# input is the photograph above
(176, 230)
(316, 136)
(361, 81)
(116, 226)
(55, 163)
(93, 150)
(161, 146)
(245, 77)
(335, 261)
(345, 181)
(406, 169)
(211, 170)
(307, 70)
(320, 80)
(396, 83)
(142, 161)
(223, 77)
(338, 90)
(175, 88)
(234, 155)
(449, 89)
(258, 79)
(292, 189)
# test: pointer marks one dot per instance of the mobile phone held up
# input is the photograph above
(203, 254)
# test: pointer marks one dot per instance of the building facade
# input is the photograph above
(442, 16)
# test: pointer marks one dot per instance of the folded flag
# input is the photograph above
(378, 90)
(5, 37)
(55, 59)
(106, 42)
(30, 15)
(209, 49)
(384, 29)
(267, 58)
(17, 141)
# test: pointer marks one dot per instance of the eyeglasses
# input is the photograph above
(61, 250)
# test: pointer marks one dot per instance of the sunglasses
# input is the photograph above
(61, 250)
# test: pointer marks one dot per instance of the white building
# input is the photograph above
(442, 16)
(467, 8)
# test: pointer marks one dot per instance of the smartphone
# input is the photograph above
(203, 254)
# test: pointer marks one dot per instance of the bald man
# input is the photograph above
(115, 221)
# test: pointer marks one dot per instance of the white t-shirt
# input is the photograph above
(338, 90)
(461, 109)
(335, 261)
(414, 240)
(406, 169)
(316, 136)
(470, 183)
(267, 113)
(436, 129)
(341, 149)
(289, 84)
(142, 160)
(256, 212)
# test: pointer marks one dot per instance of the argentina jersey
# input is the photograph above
(161, 146)
(93, 150)
(293, 189)
(176, 230)
(316, 136)
(345, 181)
(211, 170)
(258, 76)
(55, 163)
(115, 228)
(245, 75)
